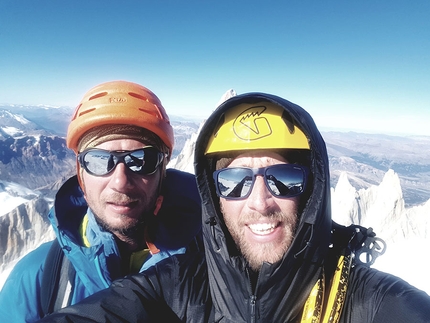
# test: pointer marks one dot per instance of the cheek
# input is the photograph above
(86, 179)
(291, 204)
(148, 185)
(91, 184)
(231, 208)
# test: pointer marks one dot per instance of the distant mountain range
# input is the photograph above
(367, 157)
(377, 180)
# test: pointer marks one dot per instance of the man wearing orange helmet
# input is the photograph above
(122, 213)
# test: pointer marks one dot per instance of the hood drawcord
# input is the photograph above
(308, 243)
(212, 222)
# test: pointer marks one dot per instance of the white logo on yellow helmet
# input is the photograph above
(256, 126)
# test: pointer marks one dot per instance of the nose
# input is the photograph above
(121, 180)
(260, 199)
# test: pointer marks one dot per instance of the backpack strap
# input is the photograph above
(57, 280)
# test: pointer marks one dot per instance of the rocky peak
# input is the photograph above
(23, 229)
(35, 161)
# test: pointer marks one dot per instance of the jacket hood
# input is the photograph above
(279, 292)
(176, 224)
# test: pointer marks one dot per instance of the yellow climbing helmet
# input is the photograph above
(256, 126)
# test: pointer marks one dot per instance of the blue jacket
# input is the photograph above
(177, 223)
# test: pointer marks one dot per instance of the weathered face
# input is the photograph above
(262, 225)
(120, 199)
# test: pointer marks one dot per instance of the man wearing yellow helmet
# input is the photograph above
(122, 213)
(272, 252)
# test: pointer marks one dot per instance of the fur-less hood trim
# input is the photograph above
(303, 261)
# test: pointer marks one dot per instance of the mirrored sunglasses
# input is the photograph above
(99, 162)
(282, 180)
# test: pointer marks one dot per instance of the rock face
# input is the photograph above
(23, 229)
(183, 131)
(35, 162)
(367, 157)
(381, 207)
(185, 159)
(406, 230)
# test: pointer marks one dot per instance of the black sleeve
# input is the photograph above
(174, 290)
(127, 300)
(375, 296)
(404, 305)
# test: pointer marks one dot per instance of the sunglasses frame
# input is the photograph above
(262, 171)
(120, 155)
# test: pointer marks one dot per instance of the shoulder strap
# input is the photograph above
(57, 280)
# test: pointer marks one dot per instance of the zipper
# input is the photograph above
(252, 302)
(253, 297)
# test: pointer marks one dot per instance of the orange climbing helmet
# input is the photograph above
(120, 102)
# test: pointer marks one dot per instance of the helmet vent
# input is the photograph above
(98, 95)
(157, 115)
(86, 111)
(138, 96)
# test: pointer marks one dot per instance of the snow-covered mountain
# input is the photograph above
(377, 181)
(367, 157)
(406, 230)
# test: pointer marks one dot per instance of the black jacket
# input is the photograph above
(214, 284)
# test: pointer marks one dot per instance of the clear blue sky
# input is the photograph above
(357, 65)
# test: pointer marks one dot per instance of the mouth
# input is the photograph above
(263, 228)
(123, 206)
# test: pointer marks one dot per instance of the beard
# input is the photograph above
(257, 253)
(130, 230)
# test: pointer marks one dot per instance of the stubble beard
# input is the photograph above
(270, 252)
(131, 231)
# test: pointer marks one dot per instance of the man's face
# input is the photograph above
(121, 198)
(262, 225)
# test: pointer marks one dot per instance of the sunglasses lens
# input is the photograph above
(135, 160)
(100, 162)
(285, 180)
(234, 182)
(143, 161)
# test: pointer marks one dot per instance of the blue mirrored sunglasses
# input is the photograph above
(100, 162)
(282, 180)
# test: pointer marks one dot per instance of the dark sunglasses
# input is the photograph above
(282, 180)
(99, 162)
